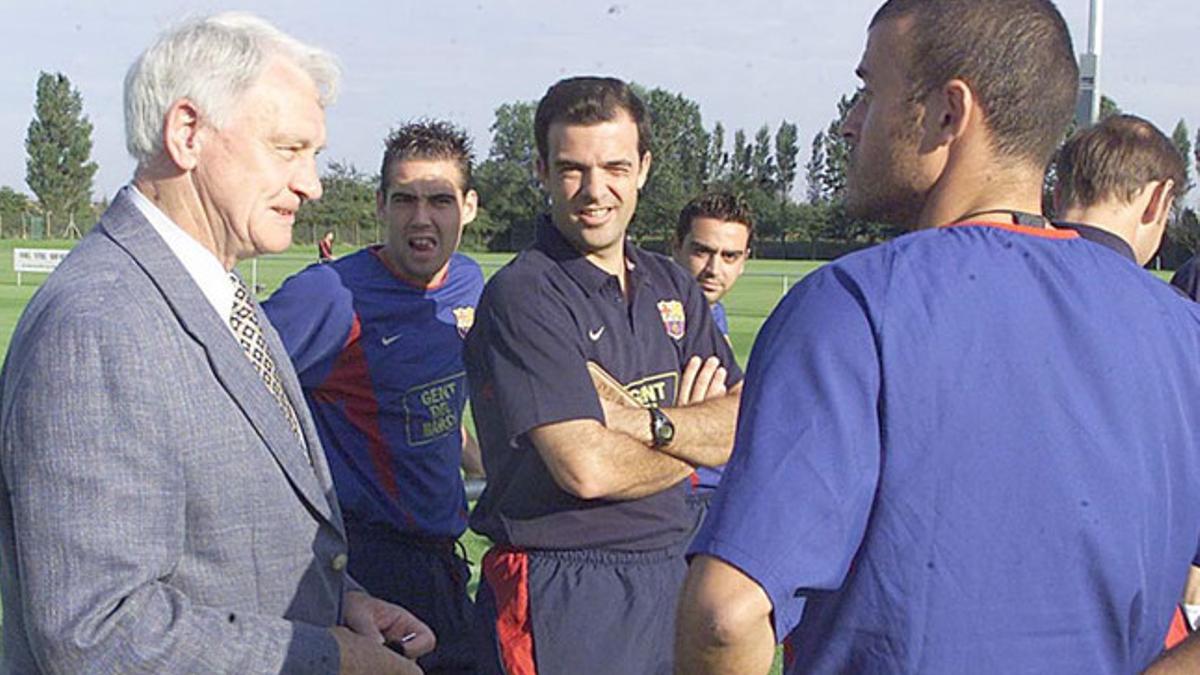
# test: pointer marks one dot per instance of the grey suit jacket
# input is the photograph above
(157, 513)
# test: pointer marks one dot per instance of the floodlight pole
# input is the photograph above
(1087, 109)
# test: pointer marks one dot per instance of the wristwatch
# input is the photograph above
(662, 429)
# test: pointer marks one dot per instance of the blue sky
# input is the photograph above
(745, 63)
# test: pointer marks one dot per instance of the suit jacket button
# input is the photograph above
(339, 562)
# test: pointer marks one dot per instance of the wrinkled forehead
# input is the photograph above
(284, 103)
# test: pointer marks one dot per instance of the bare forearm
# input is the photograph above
(472, 459)
(703, 431)
(636, 471)
(593, 462)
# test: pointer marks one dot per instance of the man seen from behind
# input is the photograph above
(968, 449)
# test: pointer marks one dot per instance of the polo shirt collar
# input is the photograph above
(589, 277)
(1102, 237)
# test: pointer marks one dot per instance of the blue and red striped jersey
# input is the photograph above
(380, 360)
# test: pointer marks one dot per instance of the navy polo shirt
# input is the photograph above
(1187, 278)
(1098, 236)
(540, 320)
(971, 450)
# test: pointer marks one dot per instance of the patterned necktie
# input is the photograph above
(244, 322)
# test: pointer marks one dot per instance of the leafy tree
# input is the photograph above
(1196, 150)
(1183, 142)
(507, 181)
(679, 145)
(58, 144)
(513, 135)
(347, 207)
(13, 206)
(511, 200)
(739, 167)
(784, 178)
(837, 152)
(480, 234)
(762, 164)
(717, 168)
(1185, 230)
(1108, 107)
(786, 152)
(814, 171)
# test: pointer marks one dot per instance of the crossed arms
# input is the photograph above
(629, 467)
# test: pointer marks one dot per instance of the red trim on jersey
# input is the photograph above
(507, 573)
(1179, 629)
(349, 383)
(694, 480)
(1043, 232)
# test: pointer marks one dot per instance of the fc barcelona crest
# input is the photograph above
(464, 318)
(673, 318)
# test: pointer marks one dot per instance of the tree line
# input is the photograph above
(763, 165)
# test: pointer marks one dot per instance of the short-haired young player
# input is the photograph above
(377, 339)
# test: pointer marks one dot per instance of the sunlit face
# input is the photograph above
(593, 174)
(253, 174)
(886, 178)
(424, 211)
(714, 251)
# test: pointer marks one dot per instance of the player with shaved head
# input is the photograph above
(971, 449)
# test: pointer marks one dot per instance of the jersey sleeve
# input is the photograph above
(525, 355)
(313, 312)
(796, 494)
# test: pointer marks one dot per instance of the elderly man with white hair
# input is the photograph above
(165, 505)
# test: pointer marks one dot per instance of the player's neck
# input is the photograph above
(1118, 219)
(612, 261)
(994, 195)
(423, 283)
(174, 194)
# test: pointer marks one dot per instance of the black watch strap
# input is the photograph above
(662, 429)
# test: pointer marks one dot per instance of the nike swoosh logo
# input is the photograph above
(390, 339)
(594, 335)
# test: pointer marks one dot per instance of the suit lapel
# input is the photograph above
(126, 226)
(291, 387)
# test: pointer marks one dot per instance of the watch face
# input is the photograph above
(661, 427)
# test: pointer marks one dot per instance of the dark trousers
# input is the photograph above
(581, 611)
(428, 578)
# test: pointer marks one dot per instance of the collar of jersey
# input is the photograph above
(589, 277)
(1043, 232)
(1098, 236)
